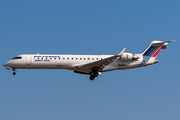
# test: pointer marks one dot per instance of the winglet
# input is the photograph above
(121, 53)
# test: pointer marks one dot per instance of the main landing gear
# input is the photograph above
(93, 75)
(14, 73)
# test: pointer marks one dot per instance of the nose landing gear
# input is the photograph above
(14, 73)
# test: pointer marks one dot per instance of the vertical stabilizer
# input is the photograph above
(153, 49)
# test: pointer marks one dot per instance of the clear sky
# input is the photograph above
(90, 27)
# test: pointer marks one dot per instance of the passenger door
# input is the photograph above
(28, 60)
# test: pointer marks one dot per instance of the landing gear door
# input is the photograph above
(28, 60)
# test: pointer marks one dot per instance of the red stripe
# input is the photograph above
(155, 54)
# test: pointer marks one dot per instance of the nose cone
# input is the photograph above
(5, 65)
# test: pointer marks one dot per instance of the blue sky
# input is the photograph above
(90, 27)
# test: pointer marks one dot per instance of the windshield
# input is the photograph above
(17, 58)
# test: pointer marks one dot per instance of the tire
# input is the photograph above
(96, 74)
(91, 77)
(14, 73)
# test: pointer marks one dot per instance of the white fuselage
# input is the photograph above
(70, 62)
(91, 65)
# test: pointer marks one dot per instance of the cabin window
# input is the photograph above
(63, 58)
(46, 58)
(55, 58)
(68, 58)
(92, 58)
(38, 58)
(41, 58)
(76, 58)
(84, 58)
(80, 58)
(88, 58)
(72, 58)
(97, 58)
(59, 58)
(50, 58)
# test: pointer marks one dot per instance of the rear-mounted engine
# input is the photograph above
(128, 57)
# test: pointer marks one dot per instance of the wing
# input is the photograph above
(98, 65)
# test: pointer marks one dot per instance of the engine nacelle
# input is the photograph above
(127, 57)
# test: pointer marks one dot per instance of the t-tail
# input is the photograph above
(153, 49)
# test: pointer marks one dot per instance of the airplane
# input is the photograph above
(91, 65)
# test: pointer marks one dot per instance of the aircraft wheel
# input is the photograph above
(96, 74)
(91, 77)
(14, 73)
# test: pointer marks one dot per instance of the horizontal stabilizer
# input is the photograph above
(162, 43)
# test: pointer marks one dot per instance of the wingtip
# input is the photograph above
(121, 52)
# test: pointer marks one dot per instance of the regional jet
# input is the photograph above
(92, 65)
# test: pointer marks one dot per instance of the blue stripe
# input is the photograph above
(154, 51)
(147, 51)
(151, 51)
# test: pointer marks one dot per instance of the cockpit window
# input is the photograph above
(17, 58)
